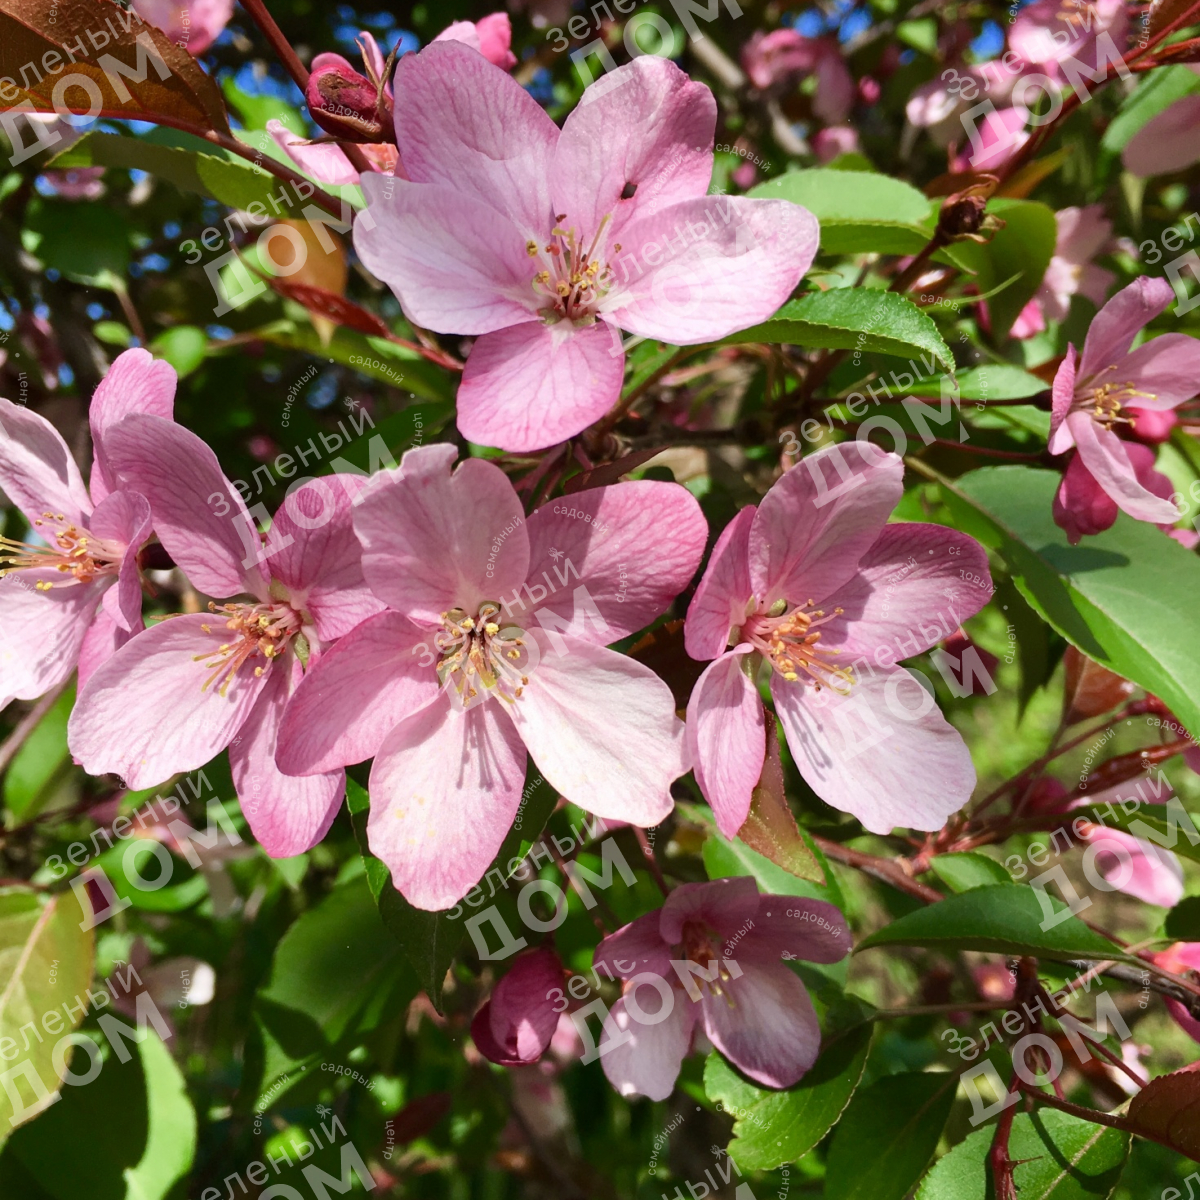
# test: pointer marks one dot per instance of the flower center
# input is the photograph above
(789, 641)
(73, 552)
(1104, 401)
(572, 281)
(700, 945)
(481, 658)
(258, 630)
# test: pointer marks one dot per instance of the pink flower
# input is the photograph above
(79, 183)
(326, 162)
(1182, 958)
(191, 685)
(75, 595)
(712, 953)
(544, 244)
(1001, 134)
(519, 1020)
(1167, 143)
(813, 584)
(491, 36)
(464, 674)
(1088, 401)
(1136, 867)
(1048, 32)
(782, 55)
(833, 141)
(194, 26)
(352, 106)
(1083, 233)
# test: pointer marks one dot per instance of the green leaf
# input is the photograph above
(853, 319)
(85, 242)
(1183, 921)
(430, 939)
(45, 961)
(888, 1135)
(859, 211)
(1023, 247)
(962, 872)
(183, 346)
(1155, 93)
(725, 859)
(1125, 597)
(130, 1133)
(1004, 918)
(1066, 1158)
(993, 381)
(38, 763)
(772, 1128)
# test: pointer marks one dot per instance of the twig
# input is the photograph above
(1078, 1110)
(651, 861)
(27, 724)
(282, 47)
(883, 869)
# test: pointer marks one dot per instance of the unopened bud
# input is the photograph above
(346, 104)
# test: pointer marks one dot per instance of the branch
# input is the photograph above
(885, 869)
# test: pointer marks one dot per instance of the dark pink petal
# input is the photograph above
(727, 738)
(646, 128)
(287, 815)
(723, 593)
(1138, 868)
(601, 728)
(532, 385)
(37, 472)
(445, 786)
(1062, 396)
(1081, 506)
(1180, 958)
(834, 96)
(769, 1031)
(916, 582)
(709, 266)
(647, 1064)
(1116, 325)
(436, 538)
(640, 947)
(1163, 372)
(1168, 142)
(146, 714)
(795, 926)
(495, 39)
(41, 631)
(723, 905)
(1152, 425)
(326, 163)
(1106, 457)
(320, 560)
(137, 382)
(635, 546)
(819, 519)
(124, 517)
(355, 694)
(462, 122)
(521, 1015)
(102, 640)
(180, 476)
(884, 753)
(456, 263)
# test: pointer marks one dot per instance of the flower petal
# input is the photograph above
(532, 385)
(457, 264)
(445, 787)
(915, 579)
(355, 694)
(287, 815)
(646, 124)
(522, 1017)
(639, 943)
(429, 535)
(1168, 142)
(1116, 325)
(884, 753)
(146, 715)
(124, 517)
(1105, 457)
(733, 262)
(635, 546)
(724, 905)
(723, 594)
(647, 1062)
(1081, 505)
(727, 738)
(601, 728)
(102, 640)
(180, 476)
(462, 122)
(770, 1031)
(1164, 372)
(37, 472)
(812, 930)
(326, 163)
(1062, 396)
(818, 521)
(137, 382)
(1136, 867)
(320, 559)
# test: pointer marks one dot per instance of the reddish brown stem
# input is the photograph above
(880, 868)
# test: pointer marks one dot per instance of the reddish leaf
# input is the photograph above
(328, 304)
(30, 30)
(1167, 1110)
(1163, 12)
(1090, 688)
(418, 1117)
(608, 473)
(770, 827)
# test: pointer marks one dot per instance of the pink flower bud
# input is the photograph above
(516, 1024)
(347, 104)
